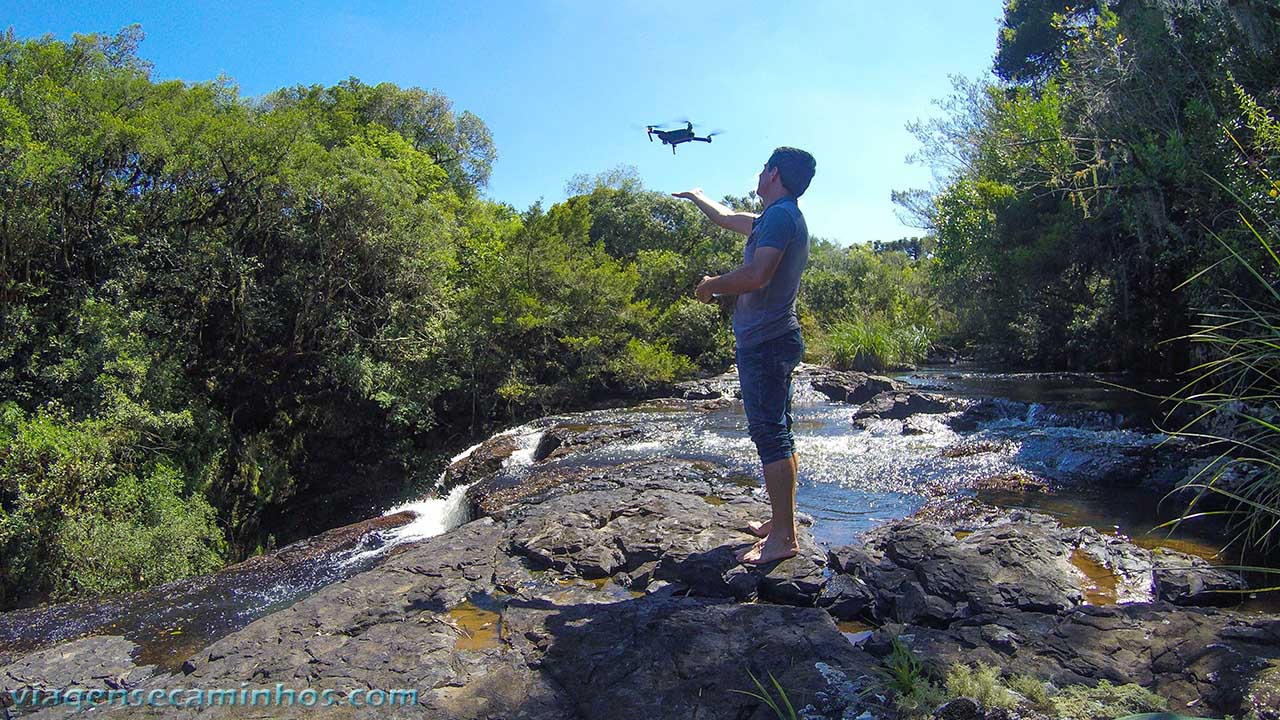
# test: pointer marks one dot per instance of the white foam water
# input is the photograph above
(436, 516)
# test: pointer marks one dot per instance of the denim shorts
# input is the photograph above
(764, 373)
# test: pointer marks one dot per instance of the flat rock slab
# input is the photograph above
(671, 657)
(103, 661)
(610, 593)
(564, 439)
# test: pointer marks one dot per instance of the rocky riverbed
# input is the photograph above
(610, 590)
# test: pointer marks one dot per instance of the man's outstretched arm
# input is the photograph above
(739, 222)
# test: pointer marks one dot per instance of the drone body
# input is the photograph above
(676, 136)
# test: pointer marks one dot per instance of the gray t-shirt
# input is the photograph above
(770, 311)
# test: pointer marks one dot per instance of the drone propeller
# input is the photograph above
(651, 126)
(678, 124)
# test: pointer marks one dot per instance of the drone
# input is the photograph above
(677, 135)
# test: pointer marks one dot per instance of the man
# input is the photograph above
(767, 331)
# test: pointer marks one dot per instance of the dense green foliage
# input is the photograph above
(872, 308)
(1087, 183)
(1111, 202)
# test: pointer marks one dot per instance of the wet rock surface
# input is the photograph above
(104, 661)
(152, 615)
(610, 594)
(989, 410)
(847, 386)
(892, 405)
(611, 590)
(564, 439)
(482, 463)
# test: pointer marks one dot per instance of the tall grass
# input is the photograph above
(781, 707)
(1234, 396)
(874, 343)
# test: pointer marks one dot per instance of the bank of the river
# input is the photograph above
(595, 576)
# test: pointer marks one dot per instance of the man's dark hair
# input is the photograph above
(795, 168)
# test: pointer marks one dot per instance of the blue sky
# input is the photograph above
(566, 86)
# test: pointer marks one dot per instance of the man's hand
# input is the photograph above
(703, 291)
(693, 194)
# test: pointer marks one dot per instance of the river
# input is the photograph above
(1070, 431)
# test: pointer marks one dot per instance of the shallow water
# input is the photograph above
(852, 479)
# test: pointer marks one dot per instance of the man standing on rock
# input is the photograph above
(767, 331)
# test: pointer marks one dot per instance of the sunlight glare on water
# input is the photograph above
(853, 477)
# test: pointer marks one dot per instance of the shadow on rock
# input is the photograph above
(686, 657)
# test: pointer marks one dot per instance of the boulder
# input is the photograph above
(899, 405)
(847, 386)
(1184, 579)
(564, 439)
(986, 411)
(481, 463)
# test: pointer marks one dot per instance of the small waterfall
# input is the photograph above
(527, 444)
(432, 516)
(436, 516)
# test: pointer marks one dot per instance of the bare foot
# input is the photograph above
(760, 529)
(754, 548)
(769, 551)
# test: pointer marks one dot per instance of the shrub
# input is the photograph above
(982, 683)
(691, 328)
(902, 673)
(137, 533)
(1032, 689)
(77, 516)
(643, 365)
(1104, 700)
